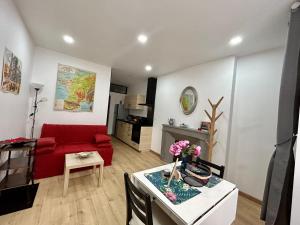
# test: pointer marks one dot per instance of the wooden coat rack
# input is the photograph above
(211, 130)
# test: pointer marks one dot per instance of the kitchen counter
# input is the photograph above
(127, 121)
(132, 122)
(136, 135)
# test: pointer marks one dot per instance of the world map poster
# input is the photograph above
(75, 89)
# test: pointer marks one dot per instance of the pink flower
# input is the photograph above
(175, 149)
(171, 196)
(178, 147)
(197, 151)
(183, 144)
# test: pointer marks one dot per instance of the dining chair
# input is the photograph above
(140, 209)
(221, 169)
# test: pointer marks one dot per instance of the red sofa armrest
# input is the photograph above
(46, 142)
(102, 138)
(44, 150)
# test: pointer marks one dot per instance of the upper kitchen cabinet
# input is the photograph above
(134, 101)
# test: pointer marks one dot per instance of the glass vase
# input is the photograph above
(185, 160)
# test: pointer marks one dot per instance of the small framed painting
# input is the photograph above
(11, 73)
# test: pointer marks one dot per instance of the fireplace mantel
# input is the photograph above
(172, 133)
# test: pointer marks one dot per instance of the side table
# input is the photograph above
(72, 161)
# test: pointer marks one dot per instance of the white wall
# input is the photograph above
(14, 36)
(45, 71)
(295, 218)
(138, 87)
(211, 80)
(254, 119)
(115, 98)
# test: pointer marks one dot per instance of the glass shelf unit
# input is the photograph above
(18, 170)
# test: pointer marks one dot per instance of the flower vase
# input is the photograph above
(185, 160)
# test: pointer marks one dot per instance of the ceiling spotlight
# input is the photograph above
(235, 40)
(68, 39)
(148, 68)
(142, 38)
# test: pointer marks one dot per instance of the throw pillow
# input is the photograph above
(46, 142)
(102, 138)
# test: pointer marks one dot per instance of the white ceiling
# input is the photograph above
(181, 33)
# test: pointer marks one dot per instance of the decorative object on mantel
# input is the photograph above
(188, 100)
(187, 151)
(171, 121)
(183, 125)
(11, 73)
(204, 126)
(212, 131)
(37, 87)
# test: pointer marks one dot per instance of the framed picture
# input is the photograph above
(205, 126)
(75, 89)
(11, 73)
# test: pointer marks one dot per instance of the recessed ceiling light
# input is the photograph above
(68, 39)
(142, 38)
(235, 40)
(148, 68)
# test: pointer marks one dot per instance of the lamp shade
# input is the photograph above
(36, 85)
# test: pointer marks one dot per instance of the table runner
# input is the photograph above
(178, 191)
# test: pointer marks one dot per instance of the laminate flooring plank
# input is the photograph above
(87, 204)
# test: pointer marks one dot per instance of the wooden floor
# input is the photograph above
(87, 205)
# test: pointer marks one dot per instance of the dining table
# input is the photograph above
(212, 205)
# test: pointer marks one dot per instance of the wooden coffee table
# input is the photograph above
(72, 161)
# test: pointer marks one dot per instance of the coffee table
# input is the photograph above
(72, 161)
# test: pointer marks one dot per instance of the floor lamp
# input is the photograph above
(36, 87)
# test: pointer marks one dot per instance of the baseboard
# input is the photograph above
(155, 153)
(251, 198)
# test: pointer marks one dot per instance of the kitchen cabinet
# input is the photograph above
(145, 139)
(124, 132)
(133, 101)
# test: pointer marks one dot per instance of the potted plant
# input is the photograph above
(187, 152)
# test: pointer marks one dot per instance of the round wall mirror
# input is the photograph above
(188, 100)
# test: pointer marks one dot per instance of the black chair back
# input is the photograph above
(138, 202)
(221, 169)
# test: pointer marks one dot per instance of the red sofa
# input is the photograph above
(69, 139)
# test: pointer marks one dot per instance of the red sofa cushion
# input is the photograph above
(46, 142)
(45, 149)
(72, 133)
(102, 138)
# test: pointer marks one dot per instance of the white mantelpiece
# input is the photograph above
(170, 134)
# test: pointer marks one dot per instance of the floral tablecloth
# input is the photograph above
(178, 191)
